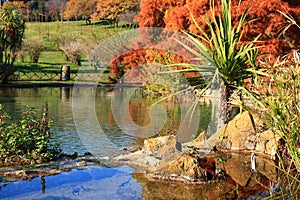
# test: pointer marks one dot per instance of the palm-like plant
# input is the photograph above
(11, 34)
(222, 47)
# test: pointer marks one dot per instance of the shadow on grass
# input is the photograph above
(99, 23)
(123, 26)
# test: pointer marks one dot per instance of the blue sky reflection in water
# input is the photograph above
(93, 183)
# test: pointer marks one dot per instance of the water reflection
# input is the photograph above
(240, 181)
(123, 183)
(91, 183)
(64, 131)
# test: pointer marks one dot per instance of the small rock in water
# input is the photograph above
(104, 158)
(133, 148)
(82, 163)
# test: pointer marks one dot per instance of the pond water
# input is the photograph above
(88, 119)
(92, 119)
(103, 121)
(91, 183)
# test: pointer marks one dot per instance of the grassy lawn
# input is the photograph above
(51, 58)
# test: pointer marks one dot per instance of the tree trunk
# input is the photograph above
(224, 105)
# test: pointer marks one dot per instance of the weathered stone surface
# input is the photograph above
(186, 166)
(258, 122)
(267, 142)
(164, 147)
(238, 130)
(157, 153)
(199, 141)
(250, 142)
(140, 160)
(224, 143)
(133, 148)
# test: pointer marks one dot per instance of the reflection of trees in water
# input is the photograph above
(60, 110)
(17, 99)
(140, 104)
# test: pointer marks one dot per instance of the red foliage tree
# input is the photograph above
(267, 20)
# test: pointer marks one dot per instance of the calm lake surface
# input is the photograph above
(86, 112)
(87, 119)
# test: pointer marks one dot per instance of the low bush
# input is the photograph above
(71, 48)
(34, 48)
(279, 93)
(26, 141)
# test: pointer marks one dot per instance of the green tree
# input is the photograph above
(113, 9)
(11, 32)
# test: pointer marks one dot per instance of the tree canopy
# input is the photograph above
(11, 31)
(267, 20)
(113, 9)
(79, 9)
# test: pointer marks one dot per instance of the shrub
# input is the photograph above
(279, 93)
(34, 48)
(26, 141)
(71, 48)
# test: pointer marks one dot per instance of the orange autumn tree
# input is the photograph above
(113, 9)
(80, 9)
(267, 20)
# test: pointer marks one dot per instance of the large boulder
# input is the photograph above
(156, 153)
(187, 166)
(237, 132)
(241, 133)
(164, 148)
(267, 142)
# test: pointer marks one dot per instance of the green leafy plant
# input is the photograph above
(11, 34)
(223, 52)
(26, 141)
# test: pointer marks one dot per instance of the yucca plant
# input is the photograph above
(222, 48)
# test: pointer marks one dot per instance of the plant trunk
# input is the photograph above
(226, 92)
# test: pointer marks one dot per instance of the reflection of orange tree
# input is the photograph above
(176, 15)
(139, 111)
